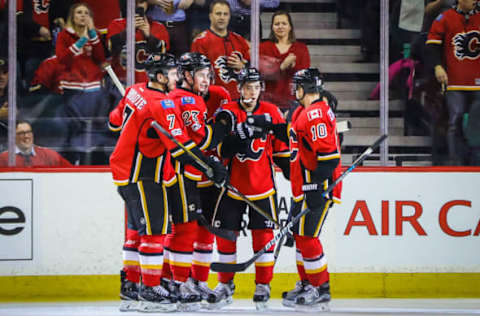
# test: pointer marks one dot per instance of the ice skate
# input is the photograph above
(261, 296)
(290, 296)
(222, 295)
(314, 298)
(155, 299)
(189, 298)
(203, 289)
(128, 294)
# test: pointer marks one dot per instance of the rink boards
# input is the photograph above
(399, 232)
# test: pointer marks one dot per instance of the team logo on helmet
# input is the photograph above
(467, 45)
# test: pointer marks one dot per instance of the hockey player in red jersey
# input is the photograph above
(314, 164)
(203, 245)
(196, 75)
(249, 156)
(140, 165)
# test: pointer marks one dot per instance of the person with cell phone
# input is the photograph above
(150, 37)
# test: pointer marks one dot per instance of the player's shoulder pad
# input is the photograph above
(167, 104)
(187, 100)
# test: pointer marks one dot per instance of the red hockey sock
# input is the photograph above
(264, 263)
(151, 258)
(180, 247)
(131, 260)
(300, 268)
(202, 254)
(314, 261)
(227, 252)
(166, 271)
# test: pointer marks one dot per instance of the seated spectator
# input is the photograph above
(81, 55)
(280, 57)
(46, 77)
(228, 51)
(241, 12)
(172, 14)
(150, 37)
(29, 155)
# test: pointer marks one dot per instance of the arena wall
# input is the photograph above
(399, 232)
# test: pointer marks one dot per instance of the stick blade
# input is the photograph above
(228, 267)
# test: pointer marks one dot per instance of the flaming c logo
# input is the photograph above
(467, 45)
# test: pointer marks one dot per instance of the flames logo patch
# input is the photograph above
(467, 45)
(226, 73)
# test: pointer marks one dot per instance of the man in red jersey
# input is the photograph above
(196, 75)
(314, 164)
(140, 165)
(455, 36)
(150, 37)
(250, 160)
(228, 51)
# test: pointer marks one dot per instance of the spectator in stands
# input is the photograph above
(150, 37)
(172, 14)
(81, 55)
(280, 57)
(104, 11)
(406, 25)
(29, 155)
(241, 13)
(228, 51)
(36, 21)
(452, 48)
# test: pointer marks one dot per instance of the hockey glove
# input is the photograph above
(263, 121)
(313, 196)
(244, 131)
(219, 171)
(331, 99)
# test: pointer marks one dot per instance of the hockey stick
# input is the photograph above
(226, 234)
(115, 79)
(236, 267)
(209, 173)
(230, 235)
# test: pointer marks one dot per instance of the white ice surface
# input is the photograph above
(338, 307)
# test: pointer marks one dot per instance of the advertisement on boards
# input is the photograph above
(16, 208)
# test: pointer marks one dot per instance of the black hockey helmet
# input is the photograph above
(249, 75)
(159, 63)
(309, 79)
(192, 62)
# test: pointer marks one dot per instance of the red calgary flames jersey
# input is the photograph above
(313, 139)
(157, 30)
(138, 155)
(216, 97)
(217, 49)
(193, 112)
(252, 173)
(461, 48)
